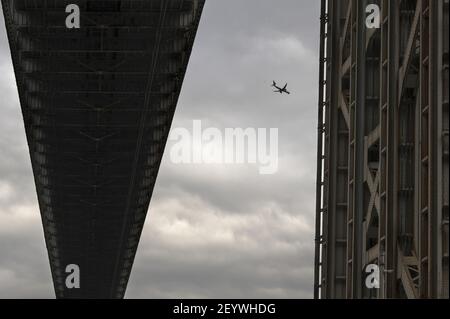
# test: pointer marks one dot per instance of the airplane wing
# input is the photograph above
(285, 87)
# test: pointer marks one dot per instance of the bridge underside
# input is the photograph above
(98, 103)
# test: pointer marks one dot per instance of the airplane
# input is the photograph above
(280, 90)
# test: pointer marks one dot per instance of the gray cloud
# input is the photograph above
(213, 231)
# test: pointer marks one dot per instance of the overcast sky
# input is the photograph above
(213, 231)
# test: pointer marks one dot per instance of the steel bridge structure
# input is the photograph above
(382, 177)
(98, 103)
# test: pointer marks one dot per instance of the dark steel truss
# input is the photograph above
(98, 104)
(382, 180)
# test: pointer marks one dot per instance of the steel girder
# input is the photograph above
(382, 184)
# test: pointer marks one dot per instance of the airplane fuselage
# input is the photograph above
(279, 89)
